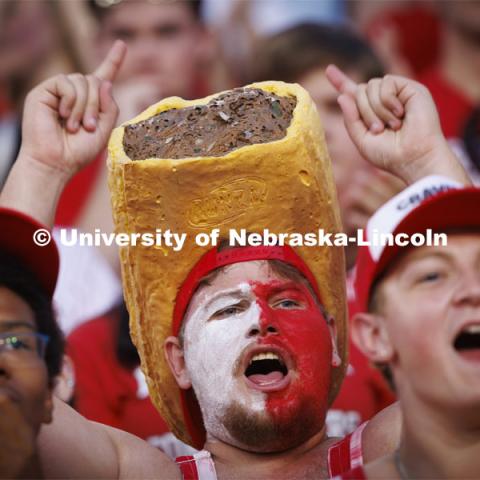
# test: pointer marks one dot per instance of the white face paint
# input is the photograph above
(217, 329)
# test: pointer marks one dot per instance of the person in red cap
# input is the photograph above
(31, 344)
(257, 301)
(419, 316)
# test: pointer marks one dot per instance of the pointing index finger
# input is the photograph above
(340, 81)
(111, 64)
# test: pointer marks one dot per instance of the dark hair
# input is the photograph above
(292, 53)
(16, 277)
(100, 8)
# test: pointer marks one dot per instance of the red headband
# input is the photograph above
(214, 259)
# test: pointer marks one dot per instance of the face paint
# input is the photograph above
(290, 310)
(214, 343)
(230, 323)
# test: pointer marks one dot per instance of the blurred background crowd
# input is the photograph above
(192, 49)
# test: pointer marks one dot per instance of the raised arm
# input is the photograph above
(66, 123)
(394, 124)
(73, 447)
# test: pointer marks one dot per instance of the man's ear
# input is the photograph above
(370, 334)
(336, 360)
(176, 361)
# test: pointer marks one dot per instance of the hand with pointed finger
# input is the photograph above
(68, 118)
(395, 126)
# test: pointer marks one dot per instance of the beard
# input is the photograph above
(261, 432)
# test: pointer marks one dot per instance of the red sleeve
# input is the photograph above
(106, 391)
(90, 348)
(76, 193)
(453, 105)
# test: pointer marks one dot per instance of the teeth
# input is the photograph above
(473, 329)
(265, 356)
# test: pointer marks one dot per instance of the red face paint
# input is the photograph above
(291, 320)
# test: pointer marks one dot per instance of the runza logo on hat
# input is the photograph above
(434, 202)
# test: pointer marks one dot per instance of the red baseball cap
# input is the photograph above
(433, 204)
(17, 238)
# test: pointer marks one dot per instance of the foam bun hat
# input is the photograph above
(284, 186)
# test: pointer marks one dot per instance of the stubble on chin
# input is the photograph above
(259, 432)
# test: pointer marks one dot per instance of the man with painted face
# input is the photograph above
(259, 311)
(260, 423)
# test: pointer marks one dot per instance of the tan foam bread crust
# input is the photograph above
(285, 185)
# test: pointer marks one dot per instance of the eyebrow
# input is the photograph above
(286, 285)
(10, 324)
(238, 292)
(233, 292)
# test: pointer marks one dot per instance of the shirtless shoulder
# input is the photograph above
(138, 459)
(381, 435)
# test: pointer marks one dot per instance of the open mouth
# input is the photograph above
(467, 342)
(267, 371)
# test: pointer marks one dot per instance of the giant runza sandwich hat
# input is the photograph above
(434, 203)
(252, 158)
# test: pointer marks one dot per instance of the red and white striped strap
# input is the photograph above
(346, 454)
(197, 467)
(356, 457)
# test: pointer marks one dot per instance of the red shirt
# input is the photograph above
(105, 391)
(453, 106)
(77, 192)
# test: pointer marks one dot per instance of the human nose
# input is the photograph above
(468, 289)
(266, 324)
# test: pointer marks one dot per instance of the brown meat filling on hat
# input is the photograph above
(243, 116)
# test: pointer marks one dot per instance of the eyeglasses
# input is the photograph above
(24, 345)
